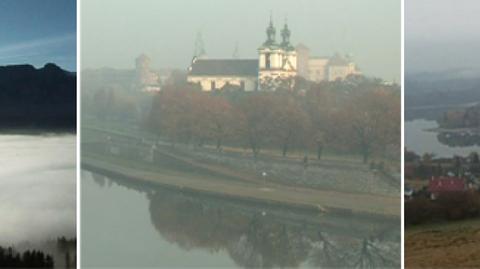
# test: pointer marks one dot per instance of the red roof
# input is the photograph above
(446, 184)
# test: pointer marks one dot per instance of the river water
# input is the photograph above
(420, 140)
(37, 187)
(130, 224)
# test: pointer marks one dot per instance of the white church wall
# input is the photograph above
(206, 82)
(261, 61)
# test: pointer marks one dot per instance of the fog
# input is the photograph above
(441, 35)
(38, 188)
(114, 32)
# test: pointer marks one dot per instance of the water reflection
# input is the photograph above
(263, 236)
(419, 139)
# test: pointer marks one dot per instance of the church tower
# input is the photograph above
(270, 53)
(276, 61)
(290, 54)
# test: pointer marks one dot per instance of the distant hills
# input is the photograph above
(451, 87)
(43, 98)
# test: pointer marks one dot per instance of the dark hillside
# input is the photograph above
(43, 98)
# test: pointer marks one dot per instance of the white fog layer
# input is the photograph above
(37, 187)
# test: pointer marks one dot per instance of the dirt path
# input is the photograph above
(456, 245)
(323, 200)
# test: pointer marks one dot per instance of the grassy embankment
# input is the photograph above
(294, 154)
(443, 245)
(247, 189)
(215, 179)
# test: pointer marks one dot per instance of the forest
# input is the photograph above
(10, 258)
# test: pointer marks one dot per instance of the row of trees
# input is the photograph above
(10, 258)
(448, 206)
(358, 115)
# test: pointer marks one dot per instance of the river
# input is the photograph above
(37, 188)
(420, 140)
(130, 224)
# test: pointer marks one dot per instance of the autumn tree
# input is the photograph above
(173, 114)
(256, 125)
(214, 118)
(289, 121)
(319, 104)
(369, 120)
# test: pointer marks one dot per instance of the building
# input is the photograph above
(449, 184)
(145, 78)
(212, 74)
(276, 64)
(275, 61)
(318, 69)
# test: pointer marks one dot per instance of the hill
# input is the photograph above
(43, 98)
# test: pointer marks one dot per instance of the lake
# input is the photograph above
(37, 187)
(421, 141)
(130, 224)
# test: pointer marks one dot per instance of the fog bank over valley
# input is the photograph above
(37, 194)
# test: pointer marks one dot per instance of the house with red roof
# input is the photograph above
(445, 184)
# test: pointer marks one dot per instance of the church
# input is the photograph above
(276, 62)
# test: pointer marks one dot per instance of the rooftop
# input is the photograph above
(446, 184)
(224, 67)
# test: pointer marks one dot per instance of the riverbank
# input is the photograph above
(267, 192)
(443, 245)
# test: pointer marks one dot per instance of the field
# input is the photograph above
(446, 245)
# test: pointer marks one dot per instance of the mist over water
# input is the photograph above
(37, 187)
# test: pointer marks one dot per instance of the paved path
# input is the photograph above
(274, 193)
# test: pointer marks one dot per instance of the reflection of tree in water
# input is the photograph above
(190, 224)
(99, 179)
(252, 239)
(371, 255)
(266, 244)
(326, 254)
(368, 253)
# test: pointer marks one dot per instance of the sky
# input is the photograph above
(114, 33)
(38, 32)
(441, 35)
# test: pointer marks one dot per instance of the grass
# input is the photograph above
(443, 245)
(443, 226)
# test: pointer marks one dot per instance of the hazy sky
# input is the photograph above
(441, 34)
(38, 32)
(114, 32)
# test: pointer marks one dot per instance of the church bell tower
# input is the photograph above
(276, 60)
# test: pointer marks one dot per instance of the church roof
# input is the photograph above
(224, 67)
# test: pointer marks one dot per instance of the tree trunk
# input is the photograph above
(219, 144)
(284, 149)
(319, 150)
(254, 151)
(366, 155)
